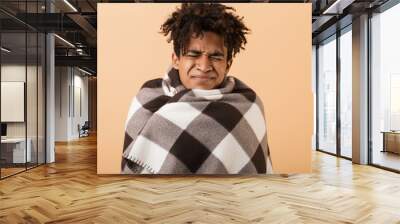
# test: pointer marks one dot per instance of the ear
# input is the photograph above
(175, 61)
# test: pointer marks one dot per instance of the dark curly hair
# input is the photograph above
(192, 19)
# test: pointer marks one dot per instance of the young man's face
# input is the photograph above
(205, 64)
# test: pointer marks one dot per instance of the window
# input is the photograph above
(346, 93)
(385, 88)
(327, 95)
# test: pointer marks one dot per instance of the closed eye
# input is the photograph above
(213, 56)
(193, 54)
(217, 57)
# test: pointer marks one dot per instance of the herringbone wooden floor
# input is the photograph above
(70, 191)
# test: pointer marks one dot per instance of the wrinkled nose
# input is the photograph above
(203, 63)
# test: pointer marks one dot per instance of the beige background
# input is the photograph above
(276, 64)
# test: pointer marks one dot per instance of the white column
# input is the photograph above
(50, 91)
(360, 90)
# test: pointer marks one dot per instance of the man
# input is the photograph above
(197, 119)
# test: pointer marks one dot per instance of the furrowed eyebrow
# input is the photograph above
(216, 53)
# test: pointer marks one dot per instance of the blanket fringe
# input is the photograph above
(141, 163)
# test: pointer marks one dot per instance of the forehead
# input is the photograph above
(207, 42)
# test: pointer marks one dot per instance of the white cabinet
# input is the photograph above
(17, 146)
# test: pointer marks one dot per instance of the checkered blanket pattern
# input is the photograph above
(174, 130)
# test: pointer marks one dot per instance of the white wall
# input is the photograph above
(62, 81)
(70, 84)
(10, 73)
(16, 73)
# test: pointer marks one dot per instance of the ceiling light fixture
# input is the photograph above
(64, 40)
(337, 7)
(84, 71)
(5, 50)
(70, 5)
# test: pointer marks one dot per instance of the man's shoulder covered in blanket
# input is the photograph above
(153, 83)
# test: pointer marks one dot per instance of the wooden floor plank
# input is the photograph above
(70, 191)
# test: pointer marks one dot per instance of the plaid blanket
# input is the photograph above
(174, 130)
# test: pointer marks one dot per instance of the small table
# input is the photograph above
(391, 141)
(13, 150)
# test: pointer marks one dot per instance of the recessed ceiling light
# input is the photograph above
(64, 40)
(70, 5)
(5, 50)
(84, 71)
(337, 7)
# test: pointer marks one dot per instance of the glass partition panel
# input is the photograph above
(22, 77)
(14, 153)
(31, 100)
(327, 95)
(346, 93)
(41, 98)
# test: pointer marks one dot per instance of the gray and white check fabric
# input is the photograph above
(174, 130)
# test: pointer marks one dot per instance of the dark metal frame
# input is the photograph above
(316, 97)
(25, 89)
(369, 90)
(45, 90)
(0, 90)
(338, 98)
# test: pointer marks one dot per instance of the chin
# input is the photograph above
(202, 86)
